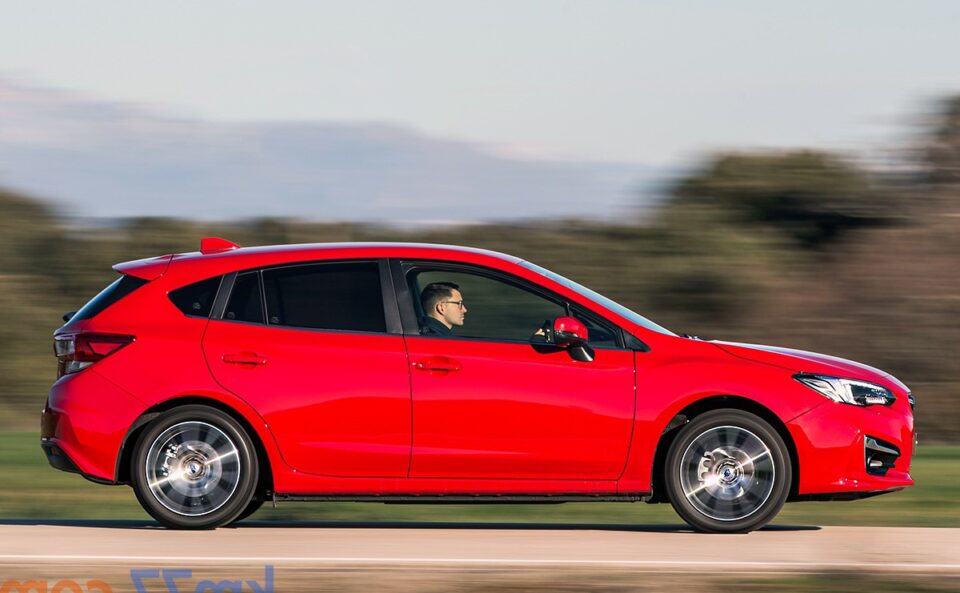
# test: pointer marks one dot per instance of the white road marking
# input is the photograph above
(880, 566)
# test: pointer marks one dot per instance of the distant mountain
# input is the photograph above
(103, 159)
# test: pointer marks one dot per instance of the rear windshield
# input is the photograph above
(108, 296)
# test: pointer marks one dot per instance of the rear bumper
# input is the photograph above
(836, 444)
(59, 459)
(84, 424)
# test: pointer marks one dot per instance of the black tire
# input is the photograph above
(252, 508)
(194, 467)
(728, 471)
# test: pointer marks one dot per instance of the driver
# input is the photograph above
(443, 307)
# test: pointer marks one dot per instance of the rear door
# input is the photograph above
(309, 347)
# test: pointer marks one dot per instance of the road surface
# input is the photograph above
(25, 544)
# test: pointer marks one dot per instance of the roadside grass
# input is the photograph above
(31, 489)
(840, 583)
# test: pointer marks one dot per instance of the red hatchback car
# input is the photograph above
(213, 381)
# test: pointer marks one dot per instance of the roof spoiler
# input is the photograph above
(150, 268)
(210, 245)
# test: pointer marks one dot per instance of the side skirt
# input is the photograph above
(842, 495)
(462, 498)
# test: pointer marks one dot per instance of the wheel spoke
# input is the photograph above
(727, 473)
(193, 468)
(740, 440)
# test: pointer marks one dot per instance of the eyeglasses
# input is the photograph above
(457, 303)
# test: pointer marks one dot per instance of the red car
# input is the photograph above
(216, 380)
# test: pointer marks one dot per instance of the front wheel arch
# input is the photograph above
(709, 404)
(727, 471)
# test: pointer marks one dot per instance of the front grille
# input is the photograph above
(879, 456)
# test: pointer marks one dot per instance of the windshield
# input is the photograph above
(598, 298)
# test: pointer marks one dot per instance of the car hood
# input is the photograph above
(810, 362)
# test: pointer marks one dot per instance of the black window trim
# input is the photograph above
(391, 309)
(223, 295)
(402, 267)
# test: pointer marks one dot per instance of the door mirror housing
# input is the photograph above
(569, 332)
(565, 333)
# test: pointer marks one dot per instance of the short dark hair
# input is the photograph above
(435, 292)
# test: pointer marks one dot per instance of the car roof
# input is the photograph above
(236, 258)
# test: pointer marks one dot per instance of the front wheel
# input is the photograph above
(194, 468)
(252, 508)
(728, 471)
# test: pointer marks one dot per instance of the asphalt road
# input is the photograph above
(483, 546)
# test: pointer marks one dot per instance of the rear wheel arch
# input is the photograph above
(136, 430)
(735, 402)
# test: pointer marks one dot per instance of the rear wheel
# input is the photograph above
(194, 467)
(728, 471)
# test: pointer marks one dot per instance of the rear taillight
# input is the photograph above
(77, 352)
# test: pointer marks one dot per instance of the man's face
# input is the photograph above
(452, 310)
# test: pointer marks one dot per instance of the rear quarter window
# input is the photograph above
(196, 300)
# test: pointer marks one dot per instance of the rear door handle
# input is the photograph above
(251, 358)
(437, 363)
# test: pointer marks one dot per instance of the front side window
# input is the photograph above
(329, 296)
(492, 309)
(601, 333)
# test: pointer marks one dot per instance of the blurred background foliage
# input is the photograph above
(802, 248)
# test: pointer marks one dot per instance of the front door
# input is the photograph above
(488, 403)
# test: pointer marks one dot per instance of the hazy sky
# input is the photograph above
(650, 82)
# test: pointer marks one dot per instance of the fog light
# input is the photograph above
(879, 456)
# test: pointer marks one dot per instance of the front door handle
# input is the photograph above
(437, 363)
(251, 358)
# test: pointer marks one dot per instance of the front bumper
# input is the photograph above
(847, 451)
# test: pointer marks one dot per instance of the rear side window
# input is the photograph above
(108, 296)
(342, 296)
(196, 299)
(245, 303)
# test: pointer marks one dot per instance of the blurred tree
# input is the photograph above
(28, 230)
(811, 197)
(943, 150)
(26, 224)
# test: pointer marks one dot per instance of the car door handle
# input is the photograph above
(437, 363)
(244, 358)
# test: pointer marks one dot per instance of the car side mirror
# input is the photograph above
(571, 334)
(568, 332)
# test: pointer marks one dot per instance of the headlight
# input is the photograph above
(848, 391)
